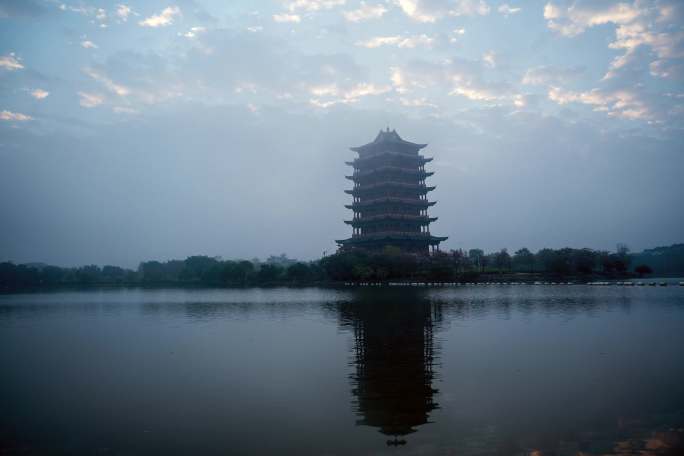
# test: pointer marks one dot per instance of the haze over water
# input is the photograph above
(468, 370)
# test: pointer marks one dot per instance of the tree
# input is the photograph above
(299, 272)
(643, 269)
(476, 257)
(524, 260)
(269, 272)
(502, 260)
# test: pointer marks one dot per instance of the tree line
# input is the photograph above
(390, 264)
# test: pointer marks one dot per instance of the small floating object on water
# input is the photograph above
(651, 284)
(681, 284)
(628, 284)
(640, 284)
(663, 284)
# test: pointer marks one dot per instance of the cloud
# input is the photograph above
(123, 11)
(14, 116)
(507, 10)
(337, 95)
(456, 77)
(399, 41)
(365, 12)
(433, 10)
(284, 17)
(90, 100)
(416, 102)
(551, 75)
(162, 19)
(456, 34)
(489, 58)
(576, 18)
(625, 104)
(642, 24)
(194, 31)
(39, 94)
(88, 44)
(112, 86)
(312, 5)
(10, 62)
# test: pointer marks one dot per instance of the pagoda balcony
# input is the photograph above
(420, 174)
(416, 202)
(370, 219)
(360, 189)
(415, 158)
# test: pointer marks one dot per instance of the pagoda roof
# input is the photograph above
(398, 169)
(388, 153)
(421, 188)
(387, 138)
(369, 219)
(392, 200)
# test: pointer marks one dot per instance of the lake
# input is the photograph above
(469, 370)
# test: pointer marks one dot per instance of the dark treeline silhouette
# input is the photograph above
(390, 264)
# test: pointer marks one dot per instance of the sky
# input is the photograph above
(162, 129)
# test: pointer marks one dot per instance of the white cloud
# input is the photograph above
(547, 74)
(416, 102)
(432, 10)
(489, 58)
(39, 94)
(638, 24)
(507, 10)
(10, 62)
(101, 14)
(162, 19)
(123, 11)
(90, 100)
(399, 41)
(14, 116)
(284, 17)
(456, 77)
(625, 104)
(456, 34)
(312, 5)
(365, 12)
(193, 32)
(88, 44)
(575, 19)
(112, 86)
(338, 95)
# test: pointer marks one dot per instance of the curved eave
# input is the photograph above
(379, 201)
(391, 218)
(416, 172)
(421, 190)
(373, 145)
(372, 239)
(404, 155)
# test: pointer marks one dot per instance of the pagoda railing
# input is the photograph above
(381, 234)
(393, 216)
(405, 185)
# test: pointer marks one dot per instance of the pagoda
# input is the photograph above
(390, 197)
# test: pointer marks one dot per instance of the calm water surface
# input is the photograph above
(503, 370)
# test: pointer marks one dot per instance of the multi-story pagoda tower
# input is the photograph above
(390, 197)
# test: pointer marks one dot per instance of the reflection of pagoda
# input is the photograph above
(393, 356)
(390, 197)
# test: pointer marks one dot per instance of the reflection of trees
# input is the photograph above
(393, 357)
